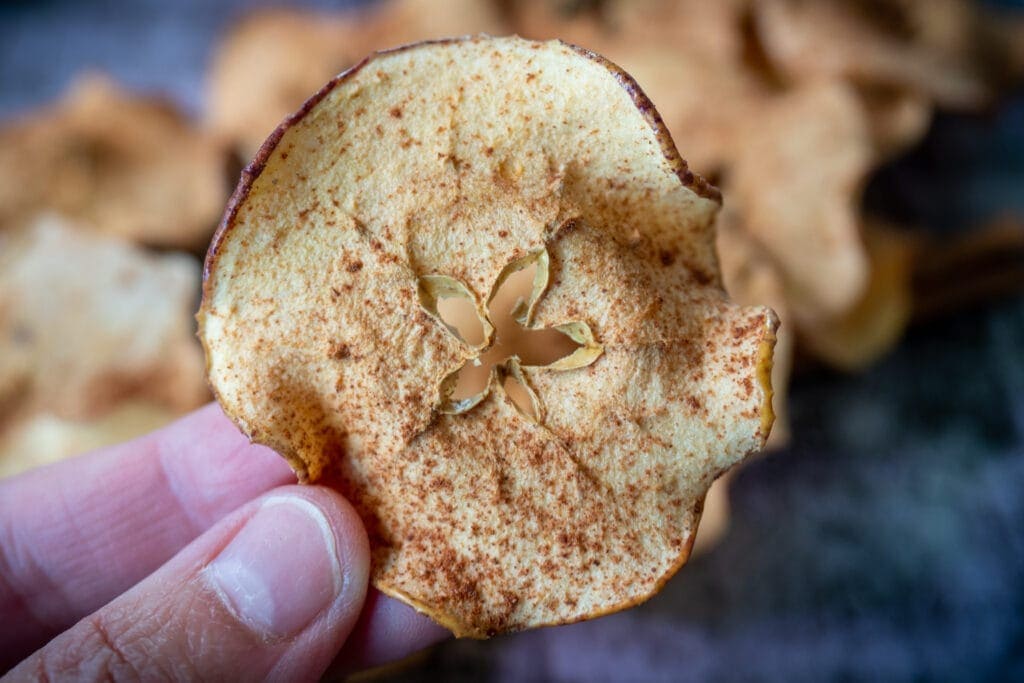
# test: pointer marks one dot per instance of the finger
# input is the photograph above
(271, 592)
(387, 630)
(76, 534)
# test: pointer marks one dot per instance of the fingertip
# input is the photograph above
(300, 559)
(387, 630)
(351, 541)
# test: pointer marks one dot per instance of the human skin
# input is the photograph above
(186, 553)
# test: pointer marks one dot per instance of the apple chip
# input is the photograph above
(115, 163)
(873, 43)
(875, 323)
(897, 119)
(87, 322)
(582, 23)
(439, 171)
(268, 64)
(711, 30)
(273, 59)
(982, 38)
(985, 263)
(44, 438)
(797, 180)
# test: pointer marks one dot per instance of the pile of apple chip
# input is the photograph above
(110, 197)
(789, 105)
(106, 199)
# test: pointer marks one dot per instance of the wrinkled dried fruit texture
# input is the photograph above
(116, 163)
(44, 438)
(916, 46)
(457, 159)
(752, 278)
(797, 182)
(87, 323)
(273, 60)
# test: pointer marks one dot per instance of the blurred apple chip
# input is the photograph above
(873, 43)
(88, 323)
(687, 54)
(876, 321)
(797, 181)
(44, 438)
(116, 163)
(898, 119)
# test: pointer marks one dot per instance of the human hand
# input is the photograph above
(183, 554)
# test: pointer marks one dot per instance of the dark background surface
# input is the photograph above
(887, 543)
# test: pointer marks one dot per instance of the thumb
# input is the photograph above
(272, 591)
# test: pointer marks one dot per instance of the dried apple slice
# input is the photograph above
(88, 323)
(43, 438)
(714, 519)
(583, 23)
(898, 119)
(114, 163)
(703, 100)
(876, 322)
(266, 65)
(459, 158)
(797, 178)
(875, 44)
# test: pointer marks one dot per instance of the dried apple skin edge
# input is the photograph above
(694, 182)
